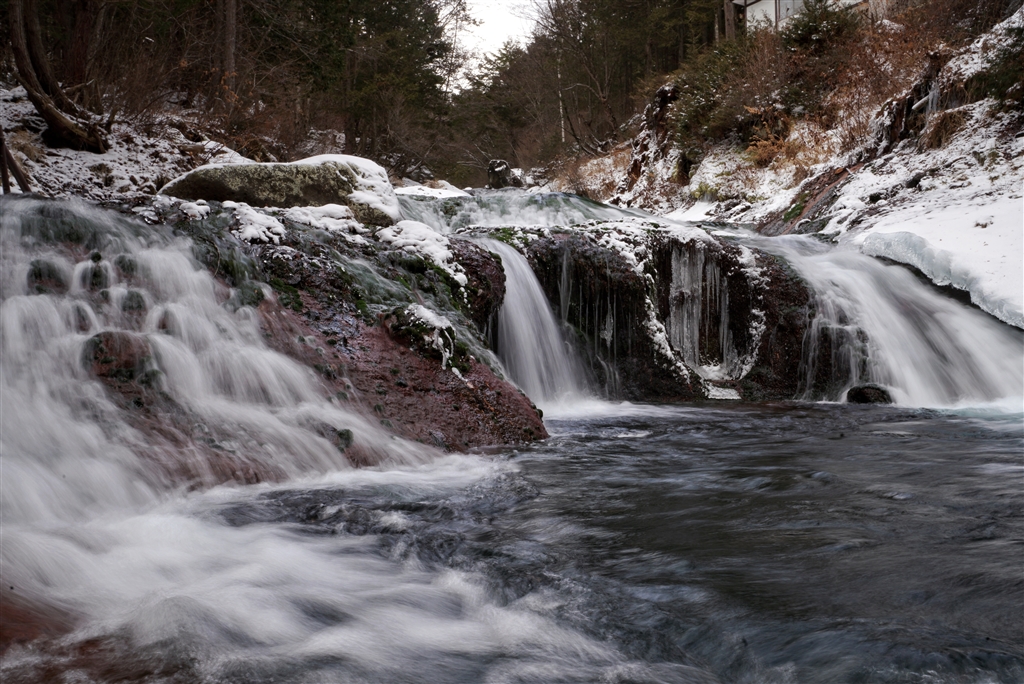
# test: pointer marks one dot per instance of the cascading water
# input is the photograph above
(531, 343)
(878, 323)
(497, 208)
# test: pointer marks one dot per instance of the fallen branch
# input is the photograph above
(11, 164)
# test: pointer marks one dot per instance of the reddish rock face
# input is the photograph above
(407, 392)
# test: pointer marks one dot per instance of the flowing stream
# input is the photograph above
(797, 542)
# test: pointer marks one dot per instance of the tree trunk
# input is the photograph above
(73, 133)
(40, 63)
(230, 34)
(77, 58)
(730, 20)
(5, 180)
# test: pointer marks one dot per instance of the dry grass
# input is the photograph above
(27, 144)
(941, 128)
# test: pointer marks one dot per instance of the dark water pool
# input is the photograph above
(799, 543)
(818, 544)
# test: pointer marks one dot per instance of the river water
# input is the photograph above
(783, 543)
(791, 542)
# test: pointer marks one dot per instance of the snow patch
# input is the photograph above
(419, 238)
(195, 210)
(254, 226)
(373, 188)
(334, 218)
(433, 193)
(716, 392)
(441, 336)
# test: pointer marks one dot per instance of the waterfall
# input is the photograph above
(531, 343)
(878, 323)
(194, 397)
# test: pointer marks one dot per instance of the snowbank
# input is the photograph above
(974, 244)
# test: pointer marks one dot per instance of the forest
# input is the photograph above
(391, 80)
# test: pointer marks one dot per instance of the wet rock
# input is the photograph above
(118, 356)
(868, 394)
(599, 294)
(501, 175)
(46, 277)
(126, 265)
(95, 276)
(133, 302)
(786, 303)
(282, 185)
(485, 288)
(433, 404)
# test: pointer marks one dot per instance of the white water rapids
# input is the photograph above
(98, 532)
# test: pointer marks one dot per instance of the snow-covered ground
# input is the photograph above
(141, 158)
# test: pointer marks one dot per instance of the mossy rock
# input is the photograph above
(278, 185)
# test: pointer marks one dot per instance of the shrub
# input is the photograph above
(820, 42)
(731, 90)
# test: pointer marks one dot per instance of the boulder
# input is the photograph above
(868, 394)
(117, 356)
(357, 183)
(501, 175)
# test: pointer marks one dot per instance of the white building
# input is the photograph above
(776, 12)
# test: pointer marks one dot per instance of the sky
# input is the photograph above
(500, 21)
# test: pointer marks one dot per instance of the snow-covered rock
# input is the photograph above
(432, 193)
(337, 179)
(420, 239)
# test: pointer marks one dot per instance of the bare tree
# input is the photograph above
(65, 119)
